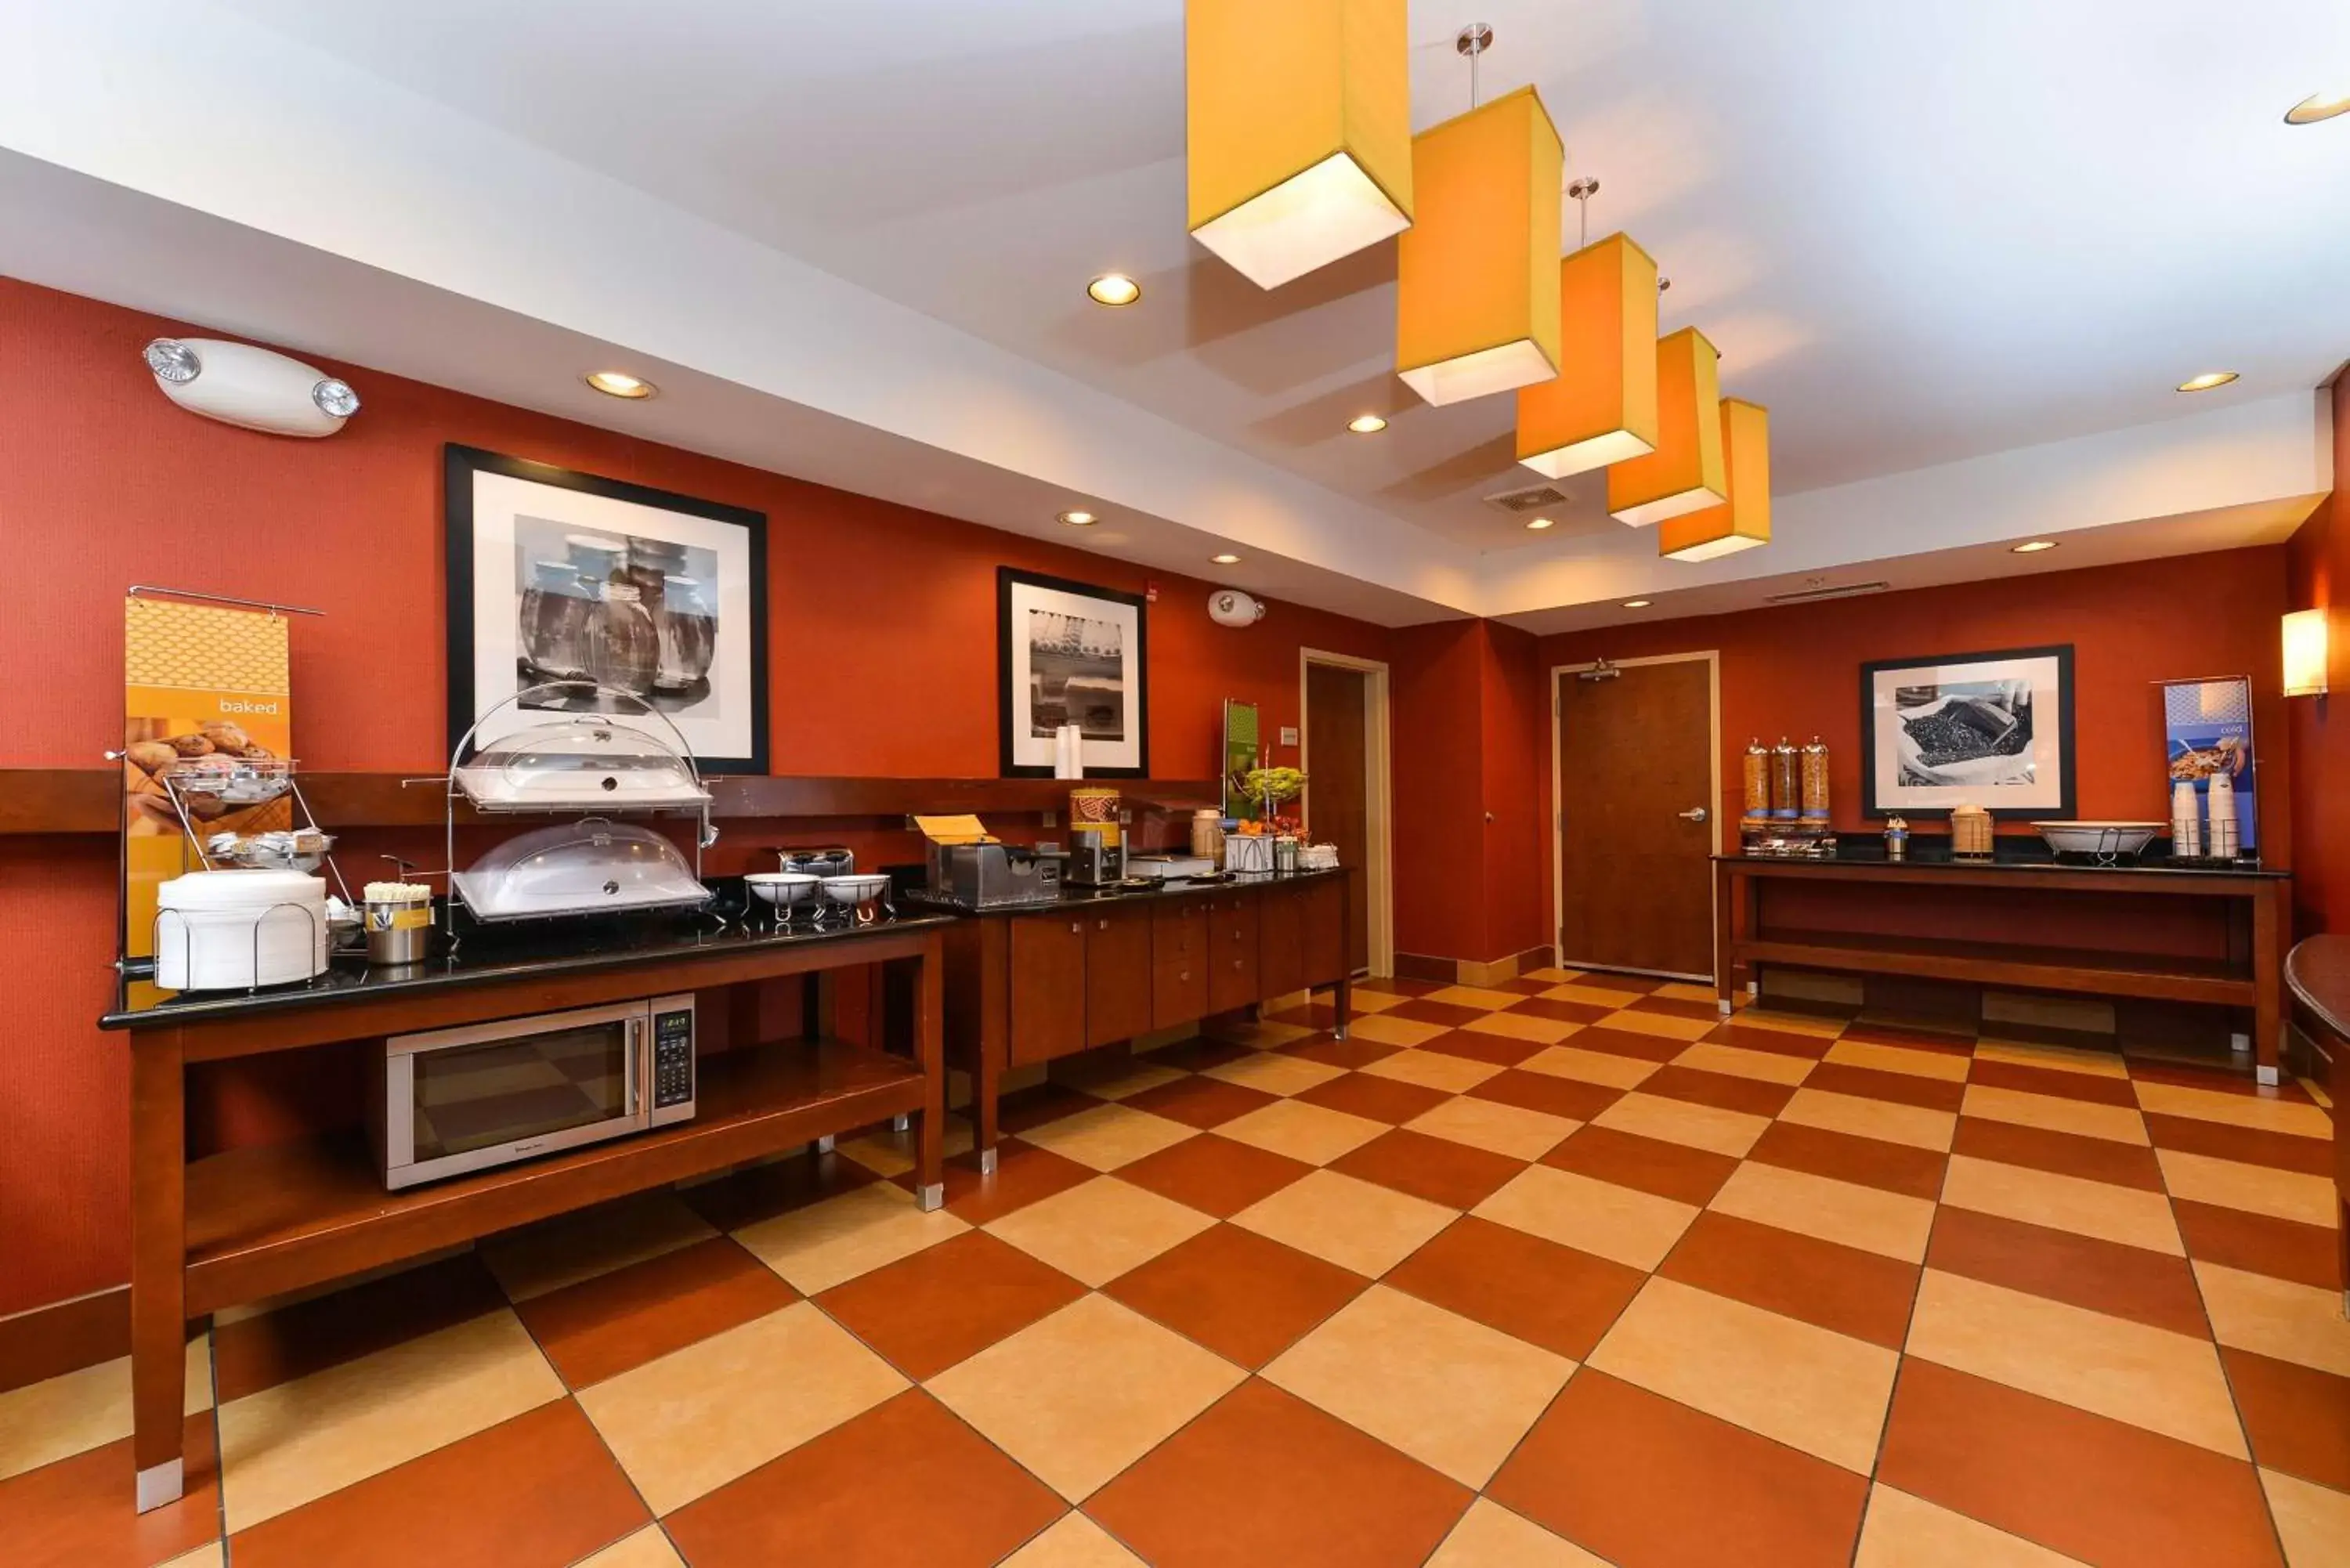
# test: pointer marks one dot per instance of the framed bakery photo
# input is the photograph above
(1070, 654)
(1993, 730)
(595, 594)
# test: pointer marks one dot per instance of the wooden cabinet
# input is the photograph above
(1280, 942)
(1179, 962)
(1118, 972)
(1048, 987)
(1321, 910)
(1232, 951)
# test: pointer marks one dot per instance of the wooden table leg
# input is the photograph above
(1725, 907)
(929, 1050)
(1343, 1005)
(2269, 937)
(159, 1170)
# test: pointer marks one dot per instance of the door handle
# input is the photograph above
(1694, 813)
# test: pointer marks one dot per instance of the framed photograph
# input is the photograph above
(557, 575)
(2206, 734)
(1993, 730)
(1068, 653)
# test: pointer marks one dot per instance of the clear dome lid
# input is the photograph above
(586, 867)
(585, 762)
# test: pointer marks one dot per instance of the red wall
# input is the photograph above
(106, 484)
(2317, 566)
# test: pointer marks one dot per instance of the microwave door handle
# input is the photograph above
(631, 1078)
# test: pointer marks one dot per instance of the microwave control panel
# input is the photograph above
(672, 1058)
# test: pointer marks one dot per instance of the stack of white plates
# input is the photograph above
(228, 931)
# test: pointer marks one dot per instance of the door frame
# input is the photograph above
(1378, 803)
(1559, 675)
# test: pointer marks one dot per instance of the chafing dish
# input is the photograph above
(591, 866)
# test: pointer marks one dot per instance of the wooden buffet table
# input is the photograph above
(258, 1221)
(1028, 986)
(2317, 973)
(2238, 961)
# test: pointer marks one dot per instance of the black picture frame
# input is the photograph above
(1008, 705)
(1877, 801)
(460, 464)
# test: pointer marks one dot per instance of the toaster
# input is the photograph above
(993, 876)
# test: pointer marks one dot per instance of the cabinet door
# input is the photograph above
(1322, 914)
(1048, 987)
(1281, 944)
(1232, 951)
(1179, 962)
(1118, 972)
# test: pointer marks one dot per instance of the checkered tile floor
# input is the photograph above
(1566, 1272)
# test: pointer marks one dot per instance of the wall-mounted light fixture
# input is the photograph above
(2304, 653)
(257, 388)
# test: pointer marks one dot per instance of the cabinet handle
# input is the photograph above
(1105, 924)
(1077, 928)
(1185, 977)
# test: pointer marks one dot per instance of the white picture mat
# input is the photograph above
(1036, 751)
(2046, 792)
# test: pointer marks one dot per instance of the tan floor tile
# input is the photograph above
(2055, 1058)
(1523, 1026)
(2072, 1203)
(1602, 1067)
(1553, 975)
(1075, 1541)
(1947, 1065)
(1098, 1230)
(1809, 1387)
(1382, 1030)
(2241, 1110)
(2313, 1521)
(1664, 1025)
(1355, 1224)
(299, 1440)
(1107, 1136)
(1790, 1022)
(1274, 1073)
(1868, 1218)
(1511, 1130)
(2260, 1189)
(1079, 1395)
(2115, 1124)
(1766, 1066)
(66, 1415)
(1433, 1070)
(888, 1154)
(1452, 1394)
(1636, 1228)
(1314, 1134)
(1888, 1121)
(1266, 1033)
(1678, 1121)
(1362, 999)
(1588, 995)
(2131, 1372)
(2277, 1318)
(1123, 1079)
(1684, 991)
(584, 1243)
(1905, 1531)
(213, 1554)
(1491, 1536)
(1474, 996)
(648, 1548)
(827, 1244)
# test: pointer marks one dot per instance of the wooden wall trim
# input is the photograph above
(64, 1336)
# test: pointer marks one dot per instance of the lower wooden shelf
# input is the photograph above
(279, 1217)
(2035, 968)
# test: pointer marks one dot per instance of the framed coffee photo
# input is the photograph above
(1993, 730)
(558, 576)
(1070, 653)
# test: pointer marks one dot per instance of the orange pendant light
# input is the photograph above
(1685, 471)
(1601, 408)
(1743, 521)
(1477, 273)
(1298, 130)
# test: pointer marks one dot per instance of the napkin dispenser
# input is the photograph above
(970, 869)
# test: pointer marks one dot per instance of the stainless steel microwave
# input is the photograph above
(465, 1099)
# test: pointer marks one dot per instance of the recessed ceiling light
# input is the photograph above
(2206, 381)
(1226, 559)
(1366, 424)
(620, 384)
(2317, 106)
(1079, 519)
(1638, 604)
(1114, 288)
(2033, 546)
(1539, 523)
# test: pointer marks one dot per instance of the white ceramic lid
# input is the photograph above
(240, 890)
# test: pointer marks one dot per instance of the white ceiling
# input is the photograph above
(1921, 235)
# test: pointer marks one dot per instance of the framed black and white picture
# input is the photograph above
(1068, 653)
(1994, 729)
(558, 579)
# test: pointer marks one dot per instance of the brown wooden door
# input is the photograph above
(1281, 944)
(1179, 962)
(1118, 972)
(1337, 789)
(1048, 987)
(1635, 758)
(1232, 951)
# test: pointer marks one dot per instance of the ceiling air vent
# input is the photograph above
(1818, 588)
(1518, 502)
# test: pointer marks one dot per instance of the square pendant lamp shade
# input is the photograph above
(1743, 521)
(1601, 408)
(1298, 130)
(1477, 273)
(1684, 472)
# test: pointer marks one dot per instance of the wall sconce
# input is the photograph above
(2304, 653)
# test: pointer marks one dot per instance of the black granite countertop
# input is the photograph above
(2008, 855)
(1087, 898)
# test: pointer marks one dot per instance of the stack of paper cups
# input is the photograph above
(2220, 801)
(2186, 821)
(1068, 752)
